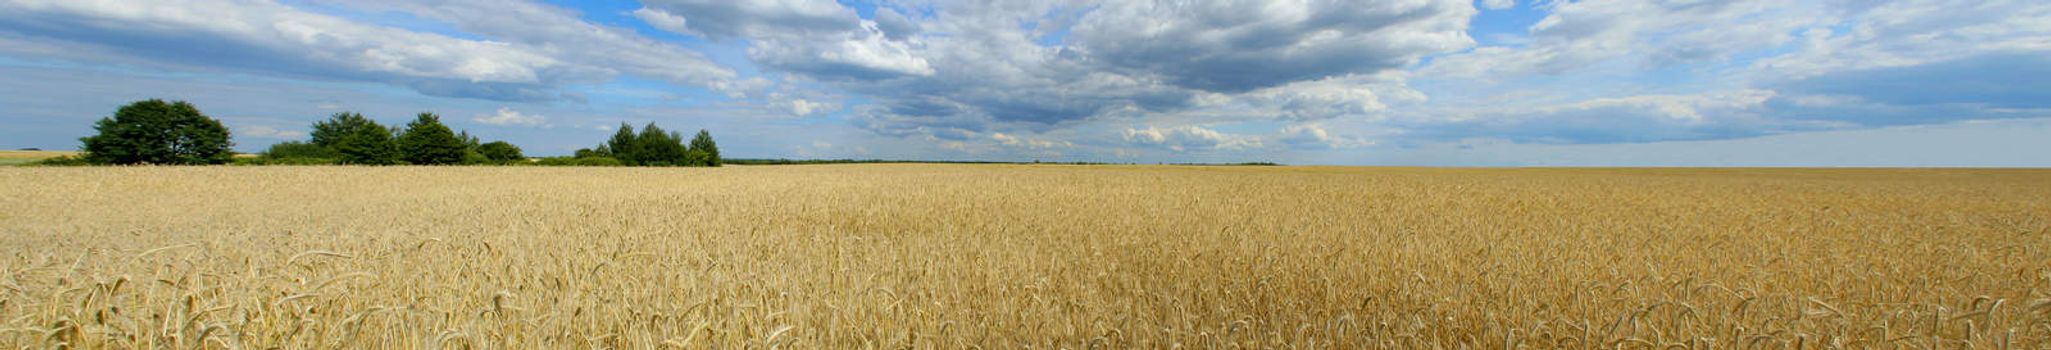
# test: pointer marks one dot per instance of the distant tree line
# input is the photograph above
(655, 147)
(176, 133)
(350, 138)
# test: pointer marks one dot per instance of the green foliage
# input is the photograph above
(285, 161)
(59, 161)
(624, 145)
(697, 158)
(300, 149)
(707, 152)
(500, 151)
(427, 142)
(157, 132)
(330, 133)
(656, 147)
(368, 146)
(599, 161)
(653, 146)
(575, 161)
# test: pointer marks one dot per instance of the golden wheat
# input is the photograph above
(999, 256)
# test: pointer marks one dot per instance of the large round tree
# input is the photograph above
(427, 142)
(158, 132)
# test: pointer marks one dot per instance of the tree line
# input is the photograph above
(655, 147)
(177, 133)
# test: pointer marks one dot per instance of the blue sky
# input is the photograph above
(1414, 82)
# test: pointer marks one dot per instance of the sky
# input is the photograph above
(1356, 82)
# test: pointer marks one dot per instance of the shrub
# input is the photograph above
(59, 161)
(570, 161)
(599, 161)
(500, 151)
(158, 132)
(285, 161)
(298, 149)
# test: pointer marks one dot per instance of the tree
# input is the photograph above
(500, 151)
(708, 151)
(371, 145)
(427, 142)
(624, 145)
(660, 148)
(157, 132)
(329, 133)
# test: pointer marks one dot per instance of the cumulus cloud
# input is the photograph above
(537, 51)
(1314, 136)
(268, 132)
(724, 19)
(1030, 67)
(509, 117)
(1641, 118)
(1189, 138)
(1234, 46)
(819, 38)
(1579, 35)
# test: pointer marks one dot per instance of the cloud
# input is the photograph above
(268, 132)
(595, 52)
(1031, 67)
(539, 48)
(663, 20)
(1189, 138)
(509, 117)
(1498, 4)
(1642, 118)
(817, 38)
(1233, 46)
(1579, 35)
(1313, 136)
(723, 19)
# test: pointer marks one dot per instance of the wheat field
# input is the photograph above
(1018, 256)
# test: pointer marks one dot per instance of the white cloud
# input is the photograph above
(1910, 33)
(1189, 138)
(663, 20)
(533, 48)
(1498, 4)
(1580, 35)
(1231, 46)
(268, 132)
(509, 117)
(1314, 136)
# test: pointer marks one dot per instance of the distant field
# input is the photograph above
(22, 157)
(1015, 256)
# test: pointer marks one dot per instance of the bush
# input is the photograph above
(59, 161)
(599, 161)
(158, 132)
(571, 161)
(298, 149)
(500, 151)
(286, 161)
